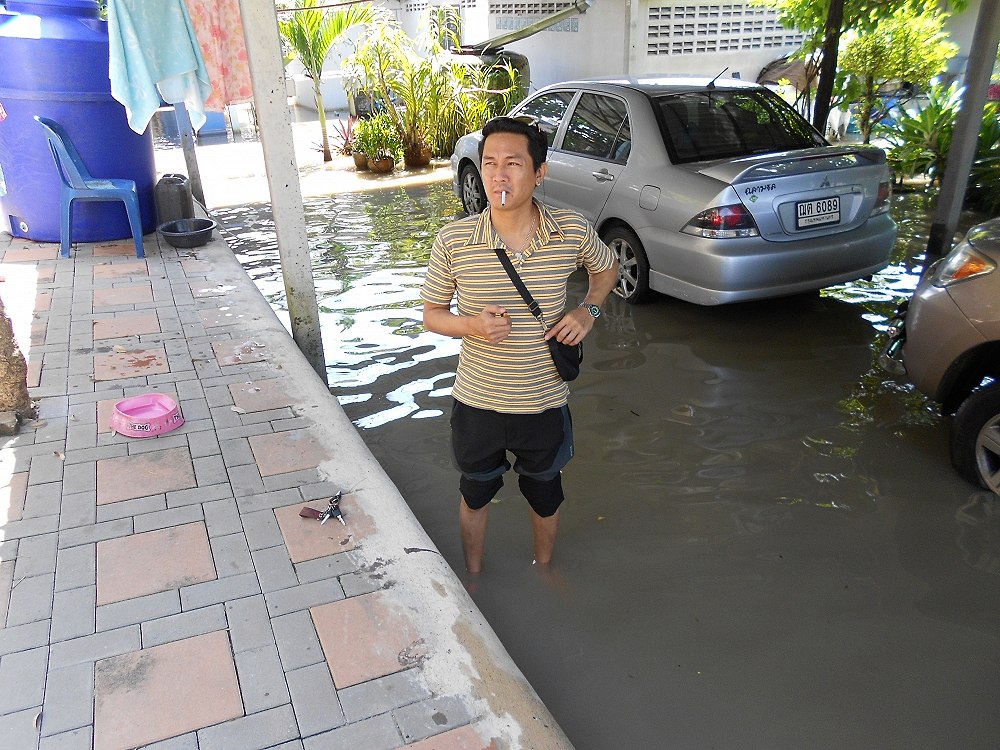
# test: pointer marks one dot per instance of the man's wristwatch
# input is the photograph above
(594, 310)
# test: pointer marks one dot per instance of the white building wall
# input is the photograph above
(667, 37)
(590, 44)
(960, 29)
(707, 38)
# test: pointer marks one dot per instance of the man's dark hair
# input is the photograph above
(538, 144)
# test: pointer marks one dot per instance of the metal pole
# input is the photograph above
(187, 145)
(963, 143)
(260, 28)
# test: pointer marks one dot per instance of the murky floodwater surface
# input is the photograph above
(763, 545)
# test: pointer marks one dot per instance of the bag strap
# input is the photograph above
(519, 285)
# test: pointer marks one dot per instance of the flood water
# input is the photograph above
(763, 543)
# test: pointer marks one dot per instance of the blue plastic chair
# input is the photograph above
(80, 185)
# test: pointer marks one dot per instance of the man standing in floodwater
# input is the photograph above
(507, 394)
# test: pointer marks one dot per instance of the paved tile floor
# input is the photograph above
(164, 592)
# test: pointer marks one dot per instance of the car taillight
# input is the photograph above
(883, 199)
(961, 264)
(723, 222)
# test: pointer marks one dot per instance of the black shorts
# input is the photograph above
(542, 444)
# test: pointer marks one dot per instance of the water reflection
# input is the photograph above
(881, 294)
(369, 252)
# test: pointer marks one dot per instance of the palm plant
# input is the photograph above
(431, 99)
(310, 33)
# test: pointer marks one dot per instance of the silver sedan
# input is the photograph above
(712, 192)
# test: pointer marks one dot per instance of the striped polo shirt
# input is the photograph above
(517, 375)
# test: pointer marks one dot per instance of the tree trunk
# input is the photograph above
(828, 65)
(321, 112)
(867, 110)
(13, 373)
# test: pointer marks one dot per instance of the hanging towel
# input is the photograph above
(219, 28)
(155, 53)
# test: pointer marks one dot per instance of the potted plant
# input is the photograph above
(378, 138)
(392, 68)
(345, 133)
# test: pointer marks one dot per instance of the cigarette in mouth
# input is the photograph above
(503, 197)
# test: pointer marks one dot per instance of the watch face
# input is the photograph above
(594, 310)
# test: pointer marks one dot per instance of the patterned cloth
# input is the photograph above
(154, 53)
(516, 376)
(219, 28)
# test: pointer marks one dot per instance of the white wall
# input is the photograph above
(599, 46)
(590, 44)
(960, 27)
(598, 42)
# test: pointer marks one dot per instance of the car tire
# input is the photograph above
(633, 267)
(473, 194)
(975, 438)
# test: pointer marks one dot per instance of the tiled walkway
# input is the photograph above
(165, 592)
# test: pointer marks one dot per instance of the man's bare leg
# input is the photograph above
(472, 524)
(543, 533)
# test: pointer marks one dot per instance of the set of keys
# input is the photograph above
(332, 511)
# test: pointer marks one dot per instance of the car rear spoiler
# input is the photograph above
(785, 163)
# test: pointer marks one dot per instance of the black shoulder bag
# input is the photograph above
(567, 357)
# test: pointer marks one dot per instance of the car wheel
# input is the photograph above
(633, 267)
(473, 195)
(975, 438)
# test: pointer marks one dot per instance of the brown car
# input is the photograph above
(946, 341)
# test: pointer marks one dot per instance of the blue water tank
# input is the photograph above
(54, 57)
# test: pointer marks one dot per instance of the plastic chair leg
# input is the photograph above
(132, 207)
(64, 226)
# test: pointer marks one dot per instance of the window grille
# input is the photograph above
(511, 15)
(527, 8)
(717, 27)
(416, 6)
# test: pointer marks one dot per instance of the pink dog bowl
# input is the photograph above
(146, 416)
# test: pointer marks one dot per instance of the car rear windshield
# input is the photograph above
(721, 124)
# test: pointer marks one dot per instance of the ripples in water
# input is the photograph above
(369, 252)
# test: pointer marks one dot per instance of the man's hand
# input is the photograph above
(572, 328)
(577, 323)
(493, 323)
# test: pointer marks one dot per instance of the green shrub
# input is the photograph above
(920, 142)
(464, 98)
(377, 137)
(984, 181)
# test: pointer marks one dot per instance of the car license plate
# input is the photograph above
(817, 213)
